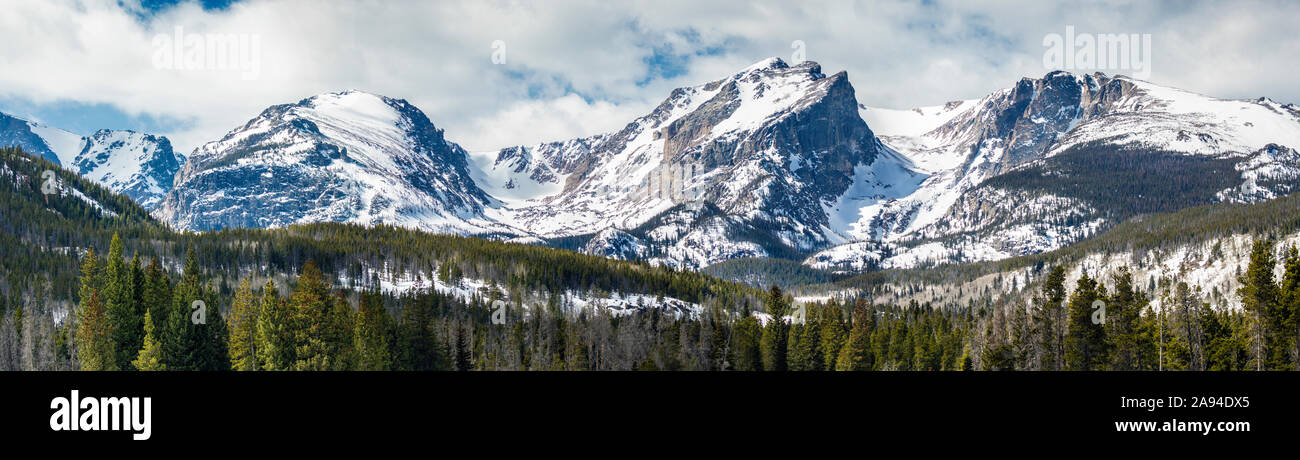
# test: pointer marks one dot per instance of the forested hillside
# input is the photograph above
(91, 282)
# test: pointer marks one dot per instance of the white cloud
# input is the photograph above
(527, 122)
(438, 54)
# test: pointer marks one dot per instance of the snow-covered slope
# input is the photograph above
(138, 165)
(775, 160)
(950, 218)
(778, 150)
(56, 145)
(338, 157)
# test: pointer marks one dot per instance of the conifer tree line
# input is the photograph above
(132, 316)
(161, 300)
(1060, 332)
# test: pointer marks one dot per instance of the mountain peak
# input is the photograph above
(360, 157)
(766, 64)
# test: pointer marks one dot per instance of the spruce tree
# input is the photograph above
(1290, 303)
(1259, 298)
(774, 332)
(243, 328)
(856, 355)
(1123, 312)
(833, 335)
(1050, 321)
(191, 344)
(1085, 343)
(149, 358)
(323, 325)
(419, 348)
(745, 348)
(119, 288)
(94, 337)
(276, 333)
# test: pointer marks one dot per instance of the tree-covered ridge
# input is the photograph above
(1103, 324)
(1150, 232)
(1122, 183)
(767, 271)
(266, 300)
(56, 272)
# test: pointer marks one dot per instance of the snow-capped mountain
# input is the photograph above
(1071, 130)
(338, 157)
(56, 145)
(766, 160)
(138, 165)
(775, 160)
(763, 162)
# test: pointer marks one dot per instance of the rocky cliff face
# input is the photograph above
(138, 165)
(774, 146)
(1031, 168)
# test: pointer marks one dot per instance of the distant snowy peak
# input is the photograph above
(1045, 116)
(1171, 119)
(772, 145)
(138, 165)
(338, 157)
(963, 144)
(56, 145)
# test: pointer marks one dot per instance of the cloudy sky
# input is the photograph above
(575, 68)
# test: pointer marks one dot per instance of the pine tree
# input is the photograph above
(370, 337)
(1085, 343)
(856, 355)
(805, 343)
(243, 329)
(323, 333)
(94, 337)
(157, 296)
(191, 344)
(1050, 321)
(1259, 298)
(149, 357)
(463, 360)
(119, 298)
(1123, 312)
(276, 332)
(833, 335)
(745, 348)
(774, 332)
(794, 360)
(419, 348)
(90, 276)
(1188, 310)
(1290, 304)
